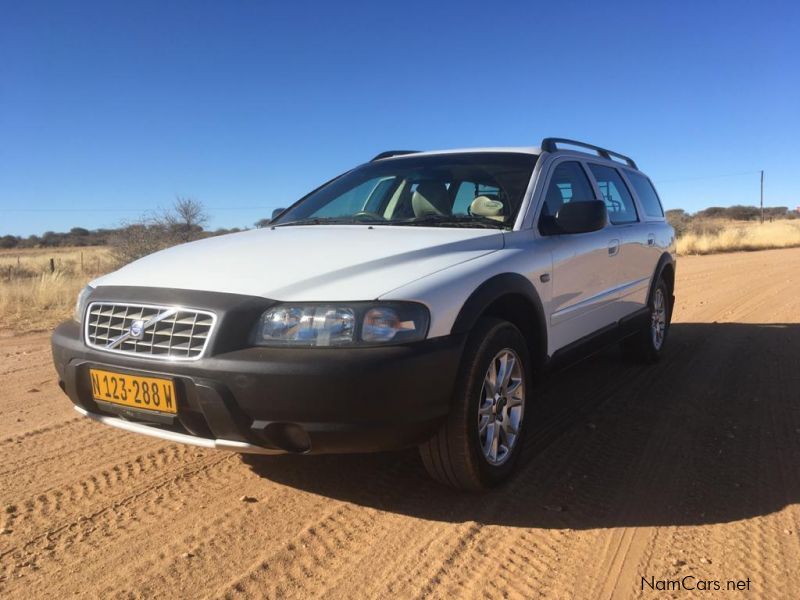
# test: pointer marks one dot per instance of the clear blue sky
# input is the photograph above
(109, 109)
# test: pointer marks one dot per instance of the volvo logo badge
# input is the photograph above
(137, 329)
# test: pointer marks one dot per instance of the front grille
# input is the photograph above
(169, 332)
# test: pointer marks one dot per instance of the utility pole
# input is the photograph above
(762, 196)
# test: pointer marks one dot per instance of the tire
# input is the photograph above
(455, 455)
(647, 344)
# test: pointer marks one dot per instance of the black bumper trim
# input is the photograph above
(321, 400)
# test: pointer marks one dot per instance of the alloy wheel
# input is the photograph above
(502, 405)
(658, 319)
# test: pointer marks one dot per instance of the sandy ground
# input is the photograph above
(690, 467)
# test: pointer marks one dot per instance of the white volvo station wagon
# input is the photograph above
(414, 300)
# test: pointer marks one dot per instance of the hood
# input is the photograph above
(309, 263)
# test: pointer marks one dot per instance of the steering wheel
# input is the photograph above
(369, 215)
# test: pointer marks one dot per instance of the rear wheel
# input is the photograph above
(480, 443)
(647, 344)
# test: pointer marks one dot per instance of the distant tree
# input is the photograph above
(9, 241)
(79, 231)
(185, 219)
(262, 223)
(742, 213)
(50, 239)
(100, 237)
(712, 212)
(224, 231)
(679, 219)
(777, 212)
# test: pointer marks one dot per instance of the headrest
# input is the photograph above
(554, 198)
(430, 198)
(486, 207)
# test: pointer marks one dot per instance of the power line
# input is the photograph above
(137, 210)
(704, 177)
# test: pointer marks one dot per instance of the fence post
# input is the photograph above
(52, 265)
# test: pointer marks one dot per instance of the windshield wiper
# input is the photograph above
(454, 221)
(330, 221)
(427, 220)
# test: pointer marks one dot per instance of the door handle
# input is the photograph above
(651, 239)
(613, 247)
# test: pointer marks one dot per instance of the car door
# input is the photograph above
(585, 265)
(653, 235)
(634, 266)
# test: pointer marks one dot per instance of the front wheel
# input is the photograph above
(480, 443)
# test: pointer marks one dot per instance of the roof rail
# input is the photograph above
(390, 153)
(551, 145)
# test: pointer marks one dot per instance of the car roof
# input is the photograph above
(517, 149)
(548, 144)
(533, 150)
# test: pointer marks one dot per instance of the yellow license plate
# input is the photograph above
(147, 393)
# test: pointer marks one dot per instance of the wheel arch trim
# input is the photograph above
(495, 288)
(666, 260)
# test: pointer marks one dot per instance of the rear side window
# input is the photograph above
(647, 194)
(618, 199)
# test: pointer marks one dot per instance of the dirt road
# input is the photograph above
(691, 467)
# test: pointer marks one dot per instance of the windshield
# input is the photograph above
(476, 189)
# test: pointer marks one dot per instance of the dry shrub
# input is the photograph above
(733, 236)
(709, 226)
(181, 223)
(135, 240)
(31, 304)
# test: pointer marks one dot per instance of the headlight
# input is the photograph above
(80, 304)
(354, 324)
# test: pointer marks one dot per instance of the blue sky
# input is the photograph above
(110, 109)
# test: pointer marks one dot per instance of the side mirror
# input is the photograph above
(276, 212)
(582, 217)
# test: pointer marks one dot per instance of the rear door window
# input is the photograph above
(618, 199)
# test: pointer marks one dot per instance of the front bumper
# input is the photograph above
(175, 436)
(272, 400)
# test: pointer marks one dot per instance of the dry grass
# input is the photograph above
(732, 236)
(32, 297)
(32, 262)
